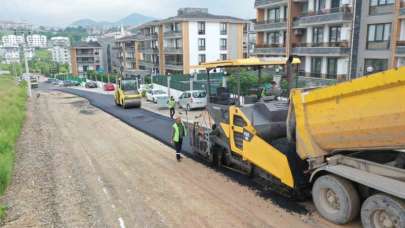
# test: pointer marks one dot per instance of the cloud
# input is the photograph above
(64, 12)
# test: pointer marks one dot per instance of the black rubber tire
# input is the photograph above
(392, 206)
(346, 194)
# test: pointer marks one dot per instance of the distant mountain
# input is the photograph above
(132, 19)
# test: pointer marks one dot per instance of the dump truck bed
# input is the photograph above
(362, 114)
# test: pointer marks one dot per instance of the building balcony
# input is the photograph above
(318, 79)
(173, 34)
(150, 36)
(270, 49)
(271, 25)
(174, 66)
(266, 3)
(148, 64)
(325, 16)
(384, 9)
(173, 50)
(149, 50)
(322, 49)
(400, 48)
(378, 45)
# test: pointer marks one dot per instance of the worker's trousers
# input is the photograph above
(178, 145)
(172, 112)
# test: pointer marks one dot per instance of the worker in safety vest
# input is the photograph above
(172, 106)
(178, 133)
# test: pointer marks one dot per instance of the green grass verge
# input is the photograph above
(12, 113)
(2, 213)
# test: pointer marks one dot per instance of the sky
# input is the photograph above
(64, 12)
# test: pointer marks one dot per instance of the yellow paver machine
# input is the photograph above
(344, 144)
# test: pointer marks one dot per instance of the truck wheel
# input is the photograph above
(336, 199)
(381, 210)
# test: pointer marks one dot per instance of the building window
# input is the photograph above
(273, 38)
(332, 68)
(316, 67)
(375, 65)
(320, 5)
(317, 35)
(177, 27)
(223, 44)
(201, 58)
(334, 34)
(273, 15)
(378, 36)
(381, 2)
(223, 56)
(201, 28)
(224, 28)
(201, 44)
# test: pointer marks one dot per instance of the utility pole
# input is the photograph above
(27, 72)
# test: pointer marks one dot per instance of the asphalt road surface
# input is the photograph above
(77, 166)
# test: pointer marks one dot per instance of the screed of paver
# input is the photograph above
(91, 170)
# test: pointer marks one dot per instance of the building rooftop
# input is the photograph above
(87, 45)
(194, 14)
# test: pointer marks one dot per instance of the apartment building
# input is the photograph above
(86, 56)
(193, 36)
(336, 39)
(317, 31)
(127, 54)
(12, 40)
(36, 41)
(61, 50)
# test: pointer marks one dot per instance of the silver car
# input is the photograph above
(193, 99)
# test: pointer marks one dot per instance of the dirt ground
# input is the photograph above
(77, 166)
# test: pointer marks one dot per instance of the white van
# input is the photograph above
(193, 99)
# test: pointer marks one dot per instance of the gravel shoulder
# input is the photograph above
(77, 166)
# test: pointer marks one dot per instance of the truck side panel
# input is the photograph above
(366, 113)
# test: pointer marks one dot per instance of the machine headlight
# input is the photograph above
(247, 136)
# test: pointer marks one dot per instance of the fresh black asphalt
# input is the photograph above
(160, 127)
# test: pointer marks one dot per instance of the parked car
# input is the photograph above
(50, 80)
(55, 82)
(155, 94)
(90, 84)
(75, 83)
(109, 87)
(193, 99)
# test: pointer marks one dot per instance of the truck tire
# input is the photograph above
(336, 199)
(382, 210)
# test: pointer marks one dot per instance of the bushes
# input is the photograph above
(12, 112)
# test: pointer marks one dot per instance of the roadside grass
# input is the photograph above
(12, 113)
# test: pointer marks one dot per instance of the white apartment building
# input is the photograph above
(61, 50)
(193, 36)
(11, 55)
(12, 40)
(37, 41)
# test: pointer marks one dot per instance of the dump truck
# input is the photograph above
(342, 144)
(126, 94)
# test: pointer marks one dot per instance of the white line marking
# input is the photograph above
(122, 224)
